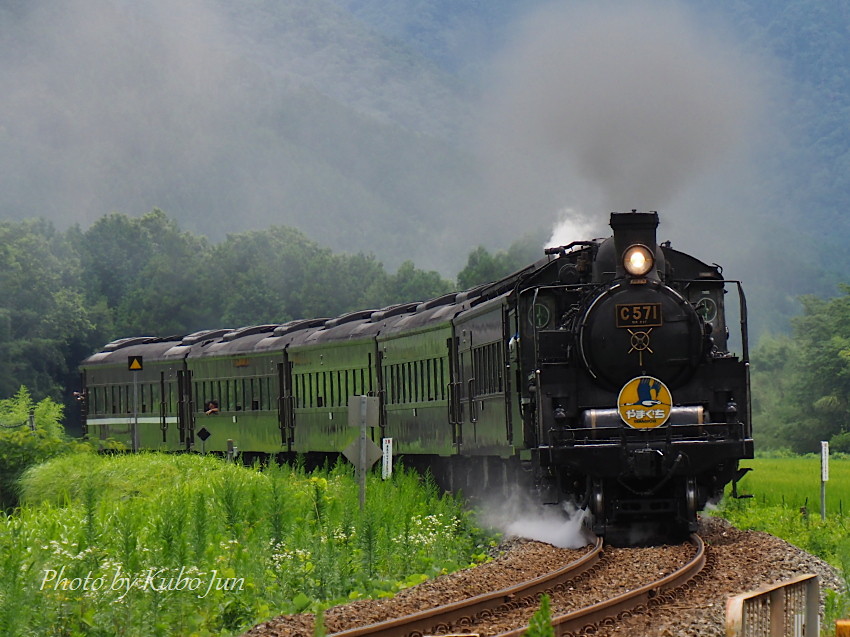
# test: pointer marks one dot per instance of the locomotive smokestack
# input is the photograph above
(635, 229)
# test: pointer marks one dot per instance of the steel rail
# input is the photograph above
(609, 611)
(479, 606)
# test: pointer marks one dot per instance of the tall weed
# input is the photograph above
(150, 544)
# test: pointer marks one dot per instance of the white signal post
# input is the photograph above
(387, 466)
(824, 476)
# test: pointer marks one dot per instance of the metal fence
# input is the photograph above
(787, 609)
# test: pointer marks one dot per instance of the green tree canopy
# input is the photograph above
(45, 321)
(484, 267)
(801, 383)
(66, 294)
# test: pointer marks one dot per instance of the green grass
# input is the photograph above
(786, 503)
(151, 544)
(796, 482)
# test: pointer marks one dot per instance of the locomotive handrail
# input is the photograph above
(23, 424)
(562, 250)
(742, 299)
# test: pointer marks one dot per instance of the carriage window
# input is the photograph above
(347, 394)
(371, 389)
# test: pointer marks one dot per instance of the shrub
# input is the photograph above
(30, 433)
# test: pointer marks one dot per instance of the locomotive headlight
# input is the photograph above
(638, 260)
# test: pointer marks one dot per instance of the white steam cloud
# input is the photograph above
(614, 106)
(520, 515)
(571, 225)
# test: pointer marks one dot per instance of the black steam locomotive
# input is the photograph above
(603, 371)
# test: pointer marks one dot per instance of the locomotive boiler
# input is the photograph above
(604, 372)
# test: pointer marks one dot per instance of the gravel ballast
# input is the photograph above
(740, 561)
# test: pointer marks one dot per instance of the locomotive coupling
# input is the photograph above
(645, 462)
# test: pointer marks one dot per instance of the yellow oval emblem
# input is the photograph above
(644, 402)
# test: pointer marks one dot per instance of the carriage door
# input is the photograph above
(163, 408)
(466, 386)
(285, 415)
(378, 357)
(185, 408)
(453, 393)
(482, 352)
(83, 402)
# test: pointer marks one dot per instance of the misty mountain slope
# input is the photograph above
(228, 120)
(809, 41)
(326, 48)
(461, 36)
(388, 127)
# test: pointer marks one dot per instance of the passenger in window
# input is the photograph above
(211, 408)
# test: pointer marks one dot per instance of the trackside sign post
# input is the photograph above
(135, 364)
(387, 466)
(824, 476)
(362, 452)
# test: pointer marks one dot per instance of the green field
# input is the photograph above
(795, 482)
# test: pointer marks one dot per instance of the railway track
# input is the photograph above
(610, 611)
(477, 608)
(466, 614)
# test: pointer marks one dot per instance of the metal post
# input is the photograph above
(135, 411)
(361, 466)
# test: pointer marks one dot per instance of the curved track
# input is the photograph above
(609, 612)
(476, 608)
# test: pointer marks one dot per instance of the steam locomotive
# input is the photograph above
(603, 372)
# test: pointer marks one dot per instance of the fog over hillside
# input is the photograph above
(229, 116)
(416, 130)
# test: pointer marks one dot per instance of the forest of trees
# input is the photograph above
(801, 380)
(66, 294)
